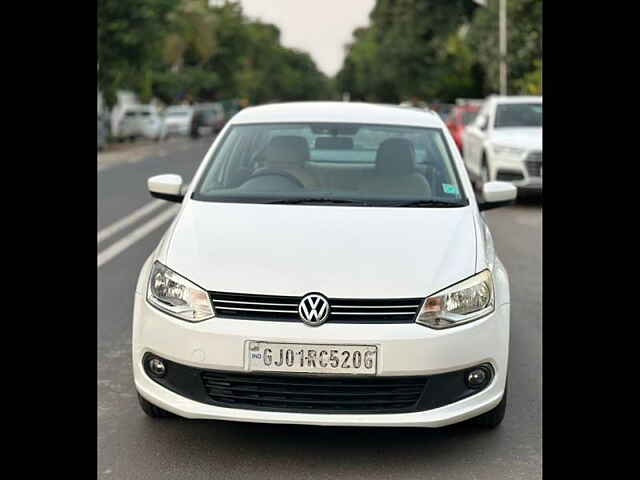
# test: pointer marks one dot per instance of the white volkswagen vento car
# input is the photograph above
(329, 265)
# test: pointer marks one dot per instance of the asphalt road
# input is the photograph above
(132, 446)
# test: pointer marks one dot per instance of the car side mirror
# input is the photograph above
(166, 187)
(497, 194)
(483, 122)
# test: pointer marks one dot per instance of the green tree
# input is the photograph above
(177, 49)
(531, 83)
(130, 34)
(441, 49)
(192, 36)
(524, 43)
(409, 50)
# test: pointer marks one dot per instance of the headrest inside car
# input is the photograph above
(396, 156)
(334, 143)
(287, 150)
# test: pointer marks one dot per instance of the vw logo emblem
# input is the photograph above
(313, 309)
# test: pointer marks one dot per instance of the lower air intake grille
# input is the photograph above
(319, 394)
(285, 309)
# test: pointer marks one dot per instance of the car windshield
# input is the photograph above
(518, 115)
(341, 164)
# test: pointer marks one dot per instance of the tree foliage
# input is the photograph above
(524, 44)
(185, 49)
(439, 49)
(429, 49)
(129, 33)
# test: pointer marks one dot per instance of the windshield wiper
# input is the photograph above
(337, 201)
(314, 200)
(428, 203)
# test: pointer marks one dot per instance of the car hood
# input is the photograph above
(528, 138)
(342, 252)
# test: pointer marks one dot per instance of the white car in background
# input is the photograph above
(177, 120)
(329, 265)
(504, 142)
(141, 121)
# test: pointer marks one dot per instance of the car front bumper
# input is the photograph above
(528, 181)
(403, 350)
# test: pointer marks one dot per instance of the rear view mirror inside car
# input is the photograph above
(334, 130)
(334, 143)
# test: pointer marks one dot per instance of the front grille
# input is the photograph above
(285, 309)
(320, 394)
(534, 163)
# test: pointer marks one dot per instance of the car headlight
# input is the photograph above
(463, 302)
(177, 296)
(511, 151)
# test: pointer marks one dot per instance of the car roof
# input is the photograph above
(516, 98)
(337, 112)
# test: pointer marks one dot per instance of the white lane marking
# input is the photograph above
(129, 219)
(139, 233)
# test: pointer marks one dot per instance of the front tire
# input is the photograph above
(494, 417)
(152, 410)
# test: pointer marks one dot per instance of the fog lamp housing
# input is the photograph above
(156, 367)
(478, 377)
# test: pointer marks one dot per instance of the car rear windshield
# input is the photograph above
(518, 115)
(332, 164)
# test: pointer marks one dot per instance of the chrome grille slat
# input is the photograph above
(376, 306)
(257, 303)
(343, 310)
(256, 310)
(373, 313)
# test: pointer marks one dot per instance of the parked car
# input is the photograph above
(504, 143)
(329, 265)
(459, 117)
(141, 121)
(442, 109)
(208, 119)
(177, 120)
(415, 103)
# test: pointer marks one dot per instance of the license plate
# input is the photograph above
(307, 358)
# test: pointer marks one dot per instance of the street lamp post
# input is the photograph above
(503, 47)
(502, 20)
